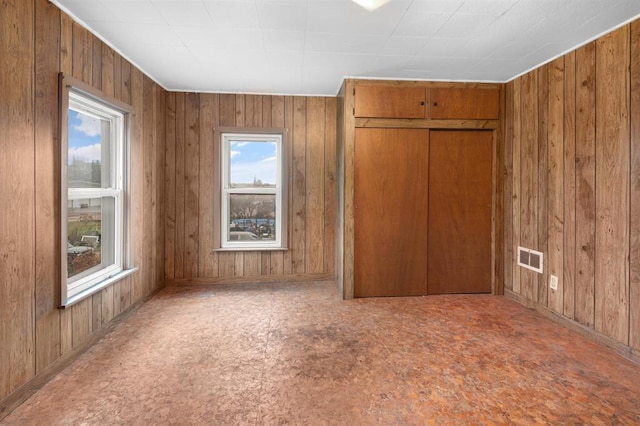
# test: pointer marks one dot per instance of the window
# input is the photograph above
(252, 191)
(94, 175)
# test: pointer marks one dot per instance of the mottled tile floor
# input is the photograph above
(296, 354)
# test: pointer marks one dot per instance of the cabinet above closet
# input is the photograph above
(423, 102)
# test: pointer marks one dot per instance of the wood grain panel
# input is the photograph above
(37, 41)
(508, 186)
(170, 186)
(17, 234)
(180, 148)
(207, 258)
(529, 178)
(517, 177)
(556, 184)
(591, 179)
(297, 231)
(459, 253)
(47, 189)
(330, 185)
(612, 183)
(585, 184)
(569, 226)
(136, 183)
(288, 122)
(469, 103)
(314, 183)
(634, 226)
(543, 178)
(389, 101)
(191, 182)
(390, 224)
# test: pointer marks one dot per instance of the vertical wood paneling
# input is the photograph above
(593, 183)
(170, 187)
(543, 178)
(556, 181)
(136, 185)
(47, 190)
(148, 177)
(314, 183)
(517, 198)
(288, 123)
(529, 177)
(508, 186)
(37, 41)
(207, 258)
(330, 185)
(585, 184)
(298, 188)
(192, 196)
(159, 204)
(180, 146)
(634, 228)
(191, 183)
(612, 183)
(569, 228)
(17, 234)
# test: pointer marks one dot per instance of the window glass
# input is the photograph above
(94, 216)
(253, 208)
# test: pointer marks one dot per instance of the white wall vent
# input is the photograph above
(530, 259)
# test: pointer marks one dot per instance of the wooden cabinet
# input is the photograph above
(464, 103)
(422, 212)
(419, 184)
(390, 212)
(459, 253)
(390, 101)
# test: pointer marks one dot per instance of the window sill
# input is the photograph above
(96, 288)
(223, 249)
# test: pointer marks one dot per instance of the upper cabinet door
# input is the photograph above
(390, 102)
(464, 103)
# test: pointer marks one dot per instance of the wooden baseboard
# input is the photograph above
(260, 279)
(621, 349)
(24, 392)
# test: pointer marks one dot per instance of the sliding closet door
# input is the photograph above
(459, 212)
(390, 219)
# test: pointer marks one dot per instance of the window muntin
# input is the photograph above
(252, 191)
(94, 176)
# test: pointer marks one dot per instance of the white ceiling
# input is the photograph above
(309, 46)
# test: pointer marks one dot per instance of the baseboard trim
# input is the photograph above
(25, 391)
(259, 279)
(620, 349)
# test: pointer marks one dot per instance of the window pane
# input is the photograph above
(253, 164)
(90, 233)
(88, 163)
(252, 217)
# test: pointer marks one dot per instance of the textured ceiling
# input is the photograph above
(308, 46)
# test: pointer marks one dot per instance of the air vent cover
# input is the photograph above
(530, 259)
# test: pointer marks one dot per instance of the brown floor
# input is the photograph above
(295, 354)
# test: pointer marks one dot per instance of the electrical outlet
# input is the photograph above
(553, 282)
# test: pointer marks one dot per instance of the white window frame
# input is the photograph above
(77, 96)
(260, 135)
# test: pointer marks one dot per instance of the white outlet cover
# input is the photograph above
(553, 282)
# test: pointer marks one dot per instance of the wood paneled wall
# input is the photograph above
(573, 184)
(37, 41)
(192, 165)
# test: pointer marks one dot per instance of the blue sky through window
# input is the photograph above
(84, 137)
(253, 161)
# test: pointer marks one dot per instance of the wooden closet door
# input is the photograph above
(390, 219)
(459, 212)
